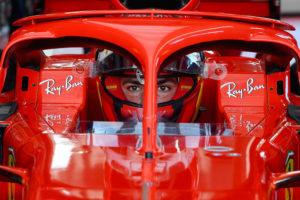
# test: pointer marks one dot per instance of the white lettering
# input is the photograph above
(52, 89)
(50, 118)
(233, 92)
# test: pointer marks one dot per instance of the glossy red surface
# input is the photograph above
(58, 163)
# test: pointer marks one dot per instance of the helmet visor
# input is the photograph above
(192, 63)
(109, 61)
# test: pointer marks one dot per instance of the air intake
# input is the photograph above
(155, 4)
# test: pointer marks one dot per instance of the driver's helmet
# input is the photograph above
(121, 83)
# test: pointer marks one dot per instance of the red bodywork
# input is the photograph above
(44, 158)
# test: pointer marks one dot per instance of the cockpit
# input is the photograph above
(215, 88)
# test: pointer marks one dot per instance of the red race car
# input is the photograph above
(150, 104)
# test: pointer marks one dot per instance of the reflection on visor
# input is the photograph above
(109, 61)
(192, 63)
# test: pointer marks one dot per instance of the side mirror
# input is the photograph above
(287, 179)
(13, 175)
(284, 180)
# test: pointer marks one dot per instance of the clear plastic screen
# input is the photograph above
(163, 128)
(118, 134)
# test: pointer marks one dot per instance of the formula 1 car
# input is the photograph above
(150, 104)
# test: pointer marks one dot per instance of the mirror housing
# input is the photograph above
(13, 174)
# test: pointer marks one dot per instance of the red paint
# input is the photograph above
(57, 161)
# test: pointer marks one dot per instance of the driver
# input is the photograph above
(133, 89)
(121, 88)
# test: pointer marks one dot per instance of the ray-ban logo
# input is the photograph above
(233, 91)
(53, 88)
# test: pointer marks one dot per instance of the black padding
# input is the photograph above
(295, 87)
(2, 131)
(280, 89)
(25, 80)
(7, 109)
(294, 112)
(32, 67)
(10, 79)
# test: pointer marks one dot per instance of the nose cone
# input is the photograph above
(90, 166)
(220, 168)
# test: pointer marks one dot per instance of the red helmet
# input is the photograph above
(120, 88)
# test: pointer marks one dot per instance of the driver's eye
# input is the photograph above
(133, 88)
(163, 88)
